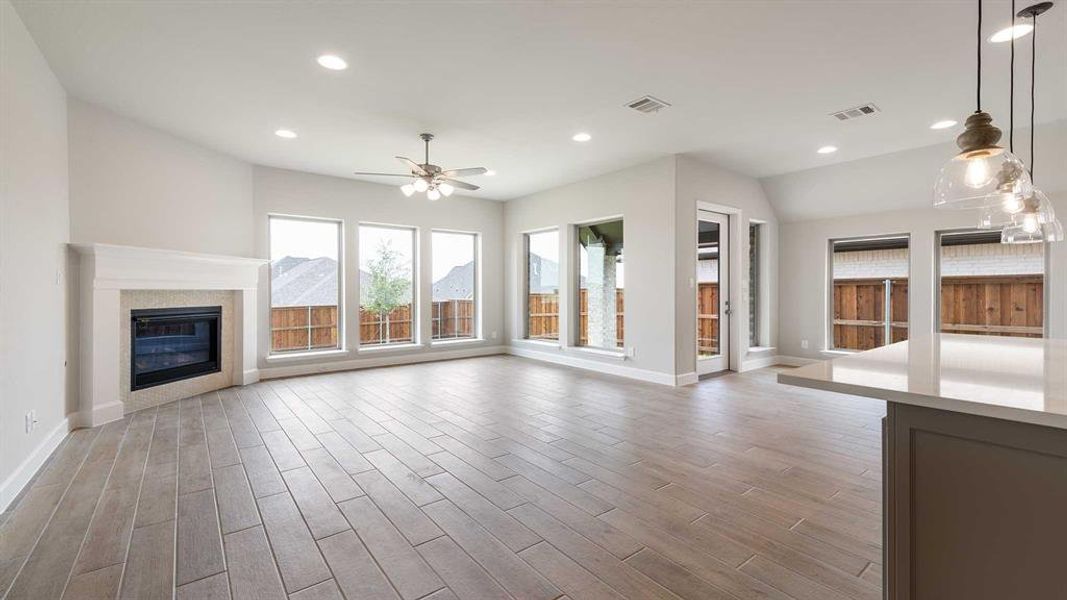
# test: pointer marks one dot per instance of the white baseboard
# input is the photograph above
(686, 379)
(249, 376)
(610, 368)
(112, 411)
(378, 361)
(758, 363)
(13, 485)
(794, 361)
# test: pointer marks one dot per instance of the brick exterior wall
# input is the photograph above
(956, 261)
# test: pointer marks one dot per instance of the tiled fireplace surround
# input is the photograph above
(113, 280)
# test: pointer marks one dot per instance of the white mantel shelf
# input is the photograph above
(107, 269)
(1012, 379)
(133, 268)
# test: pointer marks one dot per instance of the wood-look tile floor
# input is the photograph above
(492, 477)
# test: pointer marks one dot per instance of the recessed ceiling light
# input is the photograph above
(581, 137)
(943, 124)
(1009, 33)
(827, 150)
(490, 173)
(333, 62)
(285, 133)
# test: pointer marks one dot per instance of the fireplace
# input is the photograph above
(171, 344)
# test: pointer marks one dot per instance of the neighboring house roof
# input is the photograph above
(299, 281)
(544, 275)
(457, 284)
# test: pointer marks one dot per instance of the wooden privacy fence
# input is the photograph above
(860, 315)
(1008, 305)
(543, 317)
(295, 328)
(1012, 305)
(453, 319)
(708, 318)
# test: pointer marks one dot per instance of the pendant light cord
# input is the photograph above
(1033, 88)
(978, 91)
(1011, 86)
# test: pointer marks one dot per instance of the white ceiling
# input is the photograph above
(505, 84)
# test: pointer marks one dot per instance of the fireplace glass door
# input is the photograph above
(171, 344)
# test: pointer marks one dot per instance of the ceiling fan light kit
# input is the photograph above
(987, 177)
(431, 179)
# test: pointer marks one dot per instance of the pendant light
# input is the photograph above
(983, 174)
(1036, 221)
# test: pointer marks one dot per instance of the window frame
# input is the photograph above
(757, 277)
(560, 269)
(575, 299)
(476, 324)
(828, 344)
(416, 329)
(340, 347)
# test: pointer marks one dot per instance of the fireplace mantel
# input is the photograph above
(106, 270)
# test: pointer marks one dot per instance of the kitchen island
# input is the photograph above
(975, 462)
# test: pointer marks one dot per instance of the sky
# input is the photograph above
(450, 250)
(303, 238)
(308, 238)
(371, 238)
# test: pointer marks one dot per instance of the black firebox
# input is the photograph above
(170, 344)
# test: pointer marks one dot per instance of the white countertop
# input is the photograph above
(1014, 379)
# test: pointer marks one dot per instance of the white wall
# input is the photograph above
(644, 197)
(138, 186)
(34, 225)
(700, 182)
(804, 260)
(900, 180)
(279, 191)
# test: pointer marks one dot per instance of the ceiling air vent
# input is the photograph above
(864, 110)
(648, 104)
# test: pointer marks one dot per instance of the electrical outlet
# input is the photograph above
(804, 344)
(493, 335)
(31, 421)
(631, 352)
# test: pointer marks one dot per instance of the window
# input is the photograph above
(542, 285)
(870, 292)
(755, 233)
(387, 312)
(600, 285)
(454, 285)
(305, 284)
(989, 288)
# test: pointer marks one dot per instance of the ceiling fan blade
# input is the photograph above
(465, 172)
(414, 166)
(463, 185)
(408, 175)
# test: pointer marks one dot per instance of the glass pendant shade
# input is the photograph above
(433, 194)
(1037, 222)
(983, 174)
(1028, 231)
(421, 185)
(1010, 211)
(988, 178)
(408, 189)
(446, 189)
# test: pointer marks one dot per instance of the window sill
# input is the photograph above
(386, 348)
(840, 352)
(456, 342)
(541, 343)
(311, 354)
(761, 349)
(600, 352)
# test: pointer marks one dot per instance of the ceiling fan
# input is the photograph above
(430, 178)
